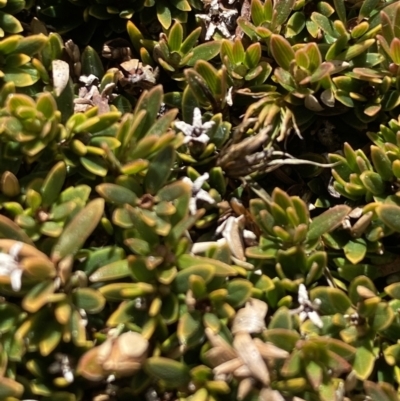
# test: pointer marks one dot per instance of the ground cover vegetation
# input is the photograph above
(199, 200)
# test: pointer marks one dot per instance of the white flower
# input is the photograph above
(308, 309)
(62, 365)
(10, 267)
(198, 193)
(197, 131)
(218, 18)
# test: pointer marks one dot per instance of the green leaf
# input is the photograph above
(355, 250)
(367, 7)
(336, 346)
(282, 10)
(390, 215)
(382, 317)
(327, 221)
(120, 291)
(281, 51)
(333, 300)
(170, 309)
(340, 9)
(50, 338)
(38, 296)
(253, 55)
(9, 230)
(190, 331)
(98, 123)
(111, 271)
(282, 337)
(163, 123)
(150, 102)
(9, 23)
(372, 182)
(25, 75)
(239, 291)
(91, 63)
(190, 41)
(182, 283)
(173, 191)
(163, 14)
(53, 184)
(89, 299)
(295, 25)
(205, 51)
(78, 230)
(173, 373)
(10, 388)
(393, 290)
(116, 194)
(314, 374)
(324, 23)
(395, 50)
(364, 361)
(355, 50)
(31, 45)
(198, 90)
(159, 170)
(257, 12)
(281, 320)
(95, 165)
(175, 37)
(135, 36)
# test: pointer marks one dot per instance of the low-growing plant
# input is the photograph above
(199, 200)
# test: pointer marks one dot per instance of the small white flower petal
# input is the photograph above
(205, 197)
(197, 122)
(303, 295)
(210, 31)
(208, 125)
(228, 97)
(187, 129)
(203, 138)
(7, 264)
(303, 316)
(224, 29)
(16, 249)
(16, 276)
(192, 206)
(204, 17)
(68, 376)
(247, 234)
(187, 180)
(314, 317)
(199, 182)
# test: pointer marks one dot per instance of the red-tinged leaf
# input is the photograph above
(327, 221)
(257, 12)
(395, 50)
(238, 52)
(314, 56)
(253, 55)
(321, 72)
(375, 392)
(281, 51)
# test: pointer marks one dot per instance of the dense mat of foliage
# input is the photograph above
(199, 200)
